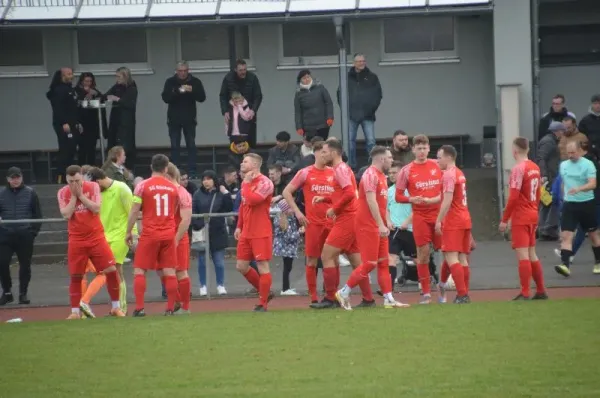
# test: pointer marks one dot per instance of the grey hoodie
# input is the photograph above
(312, 107)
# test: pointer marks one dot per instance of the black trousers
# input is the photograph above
(87, 148)
(189, 134)
(322, 132)
(67, 147)
(22, 246)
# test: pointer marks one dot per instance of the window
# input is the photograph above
(22, 52)
(311, 43)
(569, 45)
(104, 50)
(419, 38)
(208, 46)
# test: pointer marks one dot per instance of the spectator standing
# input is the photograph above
(590, 124)
(557, 113)
(209, 198)
(284, 154)
(571, 134)
(247, 84)
(286, 236)
(548, 159)
(65, 118)
(186, 183)
(17, 202)
(88, 118)
(180, 93)
(364, 98)
(401, 150)
(121, 127)
(114, 167)
(313, 108)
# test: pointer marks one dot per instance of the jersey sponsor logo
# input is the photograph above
(427, 184)
(322, 188)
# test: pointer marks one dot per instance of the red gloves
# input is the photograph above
(300, 132)
(329, 122)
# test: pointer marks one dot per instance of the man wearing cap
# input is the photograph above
(17, 202)
(548, 159)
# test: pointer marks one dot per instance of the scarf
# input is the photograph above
(242, 110)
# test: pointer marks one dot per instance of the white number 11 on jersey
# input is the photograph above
(164, 209)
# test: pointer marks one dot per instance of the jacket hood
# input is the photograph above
(210, 174)
(244, 150)
(591, 111)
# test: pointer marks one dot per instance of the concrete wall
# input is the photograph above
(436, 99)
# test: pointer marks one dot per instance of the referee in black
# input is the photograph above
(17, 202)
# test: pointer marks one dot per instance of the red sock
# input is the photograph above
(525, 276)
(357, 275)
(538, 276)
(365, 289)
(139, 289)
(467, 273)
(424, 278)
(75, 290)
(112, 285)
(445, 272)
(459, 279)
(329, 278)
(264, 289)
(337, 276)
(172, 291)
(383, 278)
(252, 277)
(311, 282)
(184, 292)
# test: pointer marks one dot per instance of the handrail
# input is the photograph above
(6, 10)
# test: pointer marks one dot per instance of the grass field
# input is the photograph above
(520, 349)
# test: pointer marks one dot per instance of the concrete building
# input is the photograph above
(440, 61)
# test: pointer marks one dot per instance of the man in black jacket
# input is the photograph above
(558, 111)
(181, 92)
(17, 202)
(364, 98)
(590, 125)
(247, 84)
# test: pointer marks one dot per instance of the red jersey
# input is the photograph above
(185, 202)
(255, 211)
(84, 225)
(159, 198)
(524, 195)
(421, 179)
(315, 182)
(344, 206)
(458, 216)
(373, 180)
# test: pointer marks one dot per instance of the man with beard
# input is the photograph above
(401, 150)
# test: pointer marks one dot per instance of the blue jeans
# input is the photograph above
(218, 259)
(580, 233)
(368, 127)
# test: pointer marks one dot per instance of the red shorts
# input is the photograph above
(523, 236)
(424, 232)
(154, 254)
(315, 238)
(183, 254)
(456, 240)
(373, 248)
(259, 249)
(343, 237)
(95, 250)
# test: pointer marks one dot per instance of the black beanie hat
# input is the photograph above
(301, 74)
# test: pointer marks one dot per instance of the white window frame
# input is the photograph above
(214, 65)
(418, 58)
(109, 69)
(28, 70)
(322, 62)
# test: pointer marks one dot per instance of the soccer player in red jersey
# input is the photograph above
(522, 212)
(79, 203)
(183, 218)
(372, 231)
(422, 177)
(158, 200)
(254, 231)
(316, 182)
(454, 223)
(342, 237)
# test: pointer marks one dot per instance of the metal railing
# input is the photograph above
(205, 216)
(94, 3)
(44, 3)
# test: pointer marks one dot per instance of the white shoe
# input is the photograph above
(344, 262)
(203, 291)
(557, 252)
(220, 290)
(343, 300)
(394, 304)
(441, 293)
(289, 292)
(86, 310)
